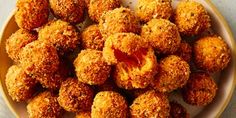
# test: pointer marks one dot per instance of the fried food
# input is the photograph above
(162, 35)
(83, 114)
(191, 18)
(149, 9)
(135, 63)
(91, 68)
(211, 53)
(98, 7)
(31, 14)
(200, 89)
(178, 111)
(150, 104)
(184, 51)
(109, 104)
(20, 86)
(75, 96)
(174, 73)
(17, 41)
(71, 11)
(44, 105)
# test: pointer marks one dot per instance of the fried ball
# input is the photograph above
(117, 21)
(191, 18)
(178, 111)
(31, 14)
(17, 41)
(150, 104)
(75, 96)
(91, 67)
(20, 85)
(98, 7)
(162, 35)
(149, 9)
(61, 34)
(92, 38)
(109, 104)
(211, 53)
(184, 51)
(68, 10)
(135, 62)
(83, 114)
(44, 105)
(174, 73)
(200, 89)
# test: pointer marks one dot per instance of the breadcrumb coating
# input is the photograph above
(83, 114)
(178, 111)
(185, 51)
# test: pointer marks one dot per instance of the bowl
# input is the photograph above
(226, 79)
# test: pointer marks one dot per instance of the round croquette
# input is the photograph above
(149, 9)
(184, 51)
(61, 34)
(17, 41)
(191, 18)
(173, 73)
(83, 114)
(44, 105)
(91, 68)
(162, 35)
(75, 96)
(20, 86)
(178, 111)
(92, 38)
(109, 104)
(117, 21)
(150, 104)
(31, 14)
(211, 53)
(98, 7)
(71, 11)
(200, 89)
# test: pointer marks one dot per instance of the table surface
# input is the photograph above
(226, 7)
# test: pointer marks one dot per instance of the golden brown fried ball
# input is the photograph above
(75, 96)
(117, 21)
(83, 114)
(31, 14)
(61, 34)
(174, 73)
(135, 63)
(191, 18)
(150, 104)
(184, 51)
(149, 9)
(162, 35)
(211, 53)
(44, 105)
(178, 111)
(200, 89)
(17, 41)
(92, 38)
(109, 104)
(98, 7)
(91, 68)
(20, 85)
(68, 10)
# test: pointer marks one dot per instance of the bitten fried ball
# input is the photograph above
(200, 89)
(174, 73)
(98, 7)
(184, 51)
(31, 13)
(211, 53)
(68, 10)
(191, 18)
(135, 62)
(109, 104)
(17, 41)
(20, 85)
(83, 114)
(92, 38)
(44, 105)
(61, 34)
(91, 68)
(150, 104)
(75, 96)
(162, 35)
(117, 21)
(149, 9)
(178, 111)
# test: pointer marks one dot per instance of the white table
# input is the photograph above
(226, 7)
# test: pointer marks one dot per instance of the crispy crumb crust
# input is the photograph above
(83, 114)
(178, 111)
(185, 51)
